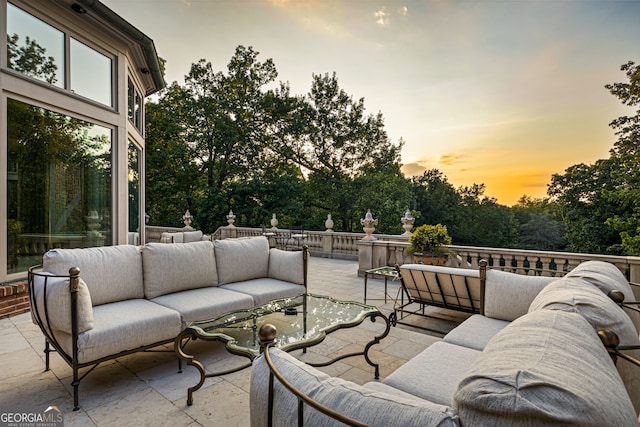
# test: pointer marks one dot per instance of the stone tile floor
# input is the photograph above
(145, 389)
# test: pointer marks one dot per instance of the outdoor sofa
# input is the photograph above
(531, 357)
(97, 304)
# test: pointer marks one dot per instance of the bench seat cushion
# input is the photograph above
(546, 368)
(367, 405)
(264, 290)
(112, 273)
(123, 326)
(475, 332)
(204, 303)
(434, 374)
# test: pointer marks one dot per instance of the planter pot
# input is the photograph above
(430, 259)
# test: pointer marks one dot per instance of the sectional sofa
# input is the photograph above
(532, 357)
(97, 304)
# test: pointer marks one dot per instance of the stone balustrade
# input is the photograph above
(378, 250)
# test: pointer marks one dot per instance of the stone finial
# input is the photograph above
(407, 223)
(231, 218)
(368, 224)
(329, 223)
(187, 220)
(274, 222)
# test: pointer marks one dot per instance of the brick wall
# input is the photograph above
(14, 298)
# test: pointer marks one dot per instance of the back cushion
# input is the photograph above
(242, 259)
(192, 236)
(546, 368)
(578, 296)
(369, 406)
(607, 277)
(172, 237)
(508, 295)
(286, 265)
(112, 273)
(178, 267)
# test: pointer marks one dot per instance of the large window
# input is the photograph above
(59, 184)
(37, 49)
(90, 73)
(134, 106)
(134, 194)
(34, 47)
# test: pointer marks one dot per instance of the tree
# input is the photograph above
(336, 147)
(625, 153)
(437, 201)
(540, 227)
(582, 195)
(483, 221)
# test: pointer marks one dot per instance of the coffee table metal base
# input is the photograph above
(191, 333)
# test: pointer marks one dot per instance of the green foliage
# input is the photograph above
(429, 240)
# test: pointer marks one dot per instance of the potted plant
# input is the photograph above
(428, 244)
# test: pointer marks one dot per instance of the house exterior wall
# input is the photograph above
(71, 192)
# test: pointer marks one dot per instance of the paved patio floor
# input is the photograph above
(144, 389)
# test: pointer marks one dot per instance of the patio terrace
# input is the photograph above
(144, 389)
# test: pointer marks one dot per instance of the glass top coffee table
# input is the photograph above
(301, 322)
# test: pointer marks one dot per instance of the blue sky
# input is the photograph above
(504, 93)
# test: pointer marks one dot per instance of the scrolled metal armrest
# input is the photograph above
(611, 342)
(267, 336)
(618, 297)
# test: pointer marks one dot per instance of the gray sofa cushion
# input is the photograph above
(576, 295)
(112, 273)
(369, 406)
(546, 368)
(192, 236)
(475, 332)
(508, 295)
(264, 290)
(177, 267)
(434, 374)
(287, 266)
(607, 277)
(241, 259)
(204, 303)
(59, 303)
(122, 326)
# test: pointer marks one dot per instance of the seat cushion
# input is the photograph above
(264, 290)
(574, 294)
(434, 374)
(475, 332)
(204, 303)
(112, 273)
(546, 368)
(123, 326)
(58, 311)
(367, 405)
(508, 295)
(242, 259)
(177, 267)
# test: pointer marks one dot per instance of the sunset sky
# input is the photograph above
(504, 93)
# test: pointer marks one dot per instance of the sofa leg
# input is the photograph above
(47, 350)
(76, 384)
